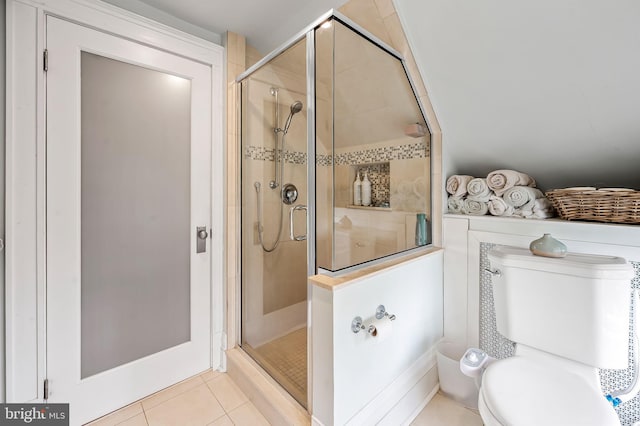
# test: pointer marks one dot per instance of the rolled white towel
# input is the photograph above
(540, 208)
(522, 197)
(457, 185)
(497, 207)
(530, 214)
(542, 204)
(501, 180)
(542, 214)
(475, 208)
(478, 190)
(454, 204)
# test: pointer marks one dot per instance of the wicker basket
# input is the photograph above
(617, 206)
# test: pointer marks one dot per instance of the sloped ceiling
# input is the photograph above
(551, 87)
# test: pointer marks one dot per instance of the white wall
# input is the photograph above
(547, 87)
(358, 379)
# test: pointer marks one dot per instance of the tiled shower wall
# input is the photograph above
(500, 347)
(375, 161)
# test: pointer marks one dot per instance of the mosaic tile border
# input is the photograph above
(388, 153)
(324, 160)
(260, 153)
(500, 347)
(374, 155)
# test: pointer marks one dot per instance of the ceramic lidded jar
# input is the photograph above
(548, 246)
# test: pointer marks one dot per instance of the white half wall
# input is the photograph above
(358, 378)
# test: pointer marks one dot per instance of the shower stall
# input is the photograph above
(332, 104)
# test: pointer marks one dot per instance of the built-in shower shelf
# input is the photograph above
(381, 209)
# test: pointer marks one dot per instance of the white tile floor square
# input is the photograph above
(443, 411)
(213, 399)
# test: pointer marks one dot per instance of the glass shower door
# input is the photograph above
(274, 199)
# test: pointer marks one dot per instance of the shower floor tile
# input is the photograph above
(285, 358)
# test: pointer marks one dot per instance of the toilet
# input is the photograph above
(568, 317)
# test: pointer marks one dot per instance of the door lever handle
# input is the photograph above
(202, 235)
(291, 231)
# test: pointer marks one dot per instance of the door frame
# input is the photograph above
(25, 307)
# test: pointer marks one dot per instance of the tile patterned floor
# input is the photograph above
(285, 358)
(210, 398)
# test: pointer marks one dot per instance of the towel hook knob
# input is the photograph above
(381, 312)
(357, 325)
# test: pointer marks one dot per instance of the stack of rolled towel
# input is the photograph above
(501, 193)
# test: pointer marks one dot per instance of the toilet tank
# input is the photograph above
(576, 307)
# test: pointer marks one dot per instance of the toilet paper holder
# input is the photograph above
(357, 323)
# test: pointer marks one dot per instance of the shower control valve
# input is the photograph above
(289, 194)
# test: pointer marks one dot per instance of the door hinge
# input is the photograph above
(45, 60)
(45, 393)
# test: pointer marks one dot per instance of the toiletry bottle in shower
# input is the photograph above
(357, 191)
(421, 229)
(366, 190)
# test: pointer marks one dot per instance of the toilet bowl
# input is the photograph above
(527, 391)
(568, 317)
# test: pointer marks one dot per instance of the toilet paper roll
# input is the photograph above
(383, 330)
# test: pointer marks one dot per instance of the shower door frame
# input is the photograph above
(308, 33)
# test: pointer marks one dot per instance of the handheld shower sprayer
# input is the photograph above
(278, 161)
(296, 107)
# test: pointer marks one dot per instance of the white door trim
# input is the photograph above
(25, 149)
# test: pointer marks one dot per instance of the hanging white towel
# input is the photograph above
(457, 185)
(501, 180)
(475, 208)
(520, 196)
(497, 207)
(477, 190)
(454, 204)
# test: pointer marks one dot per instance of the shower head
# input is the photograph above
(296, 107)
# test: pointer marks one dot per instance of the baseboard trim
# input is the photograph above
(396, 403)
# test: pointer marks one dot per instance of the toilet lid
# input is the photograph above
(521, 392)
